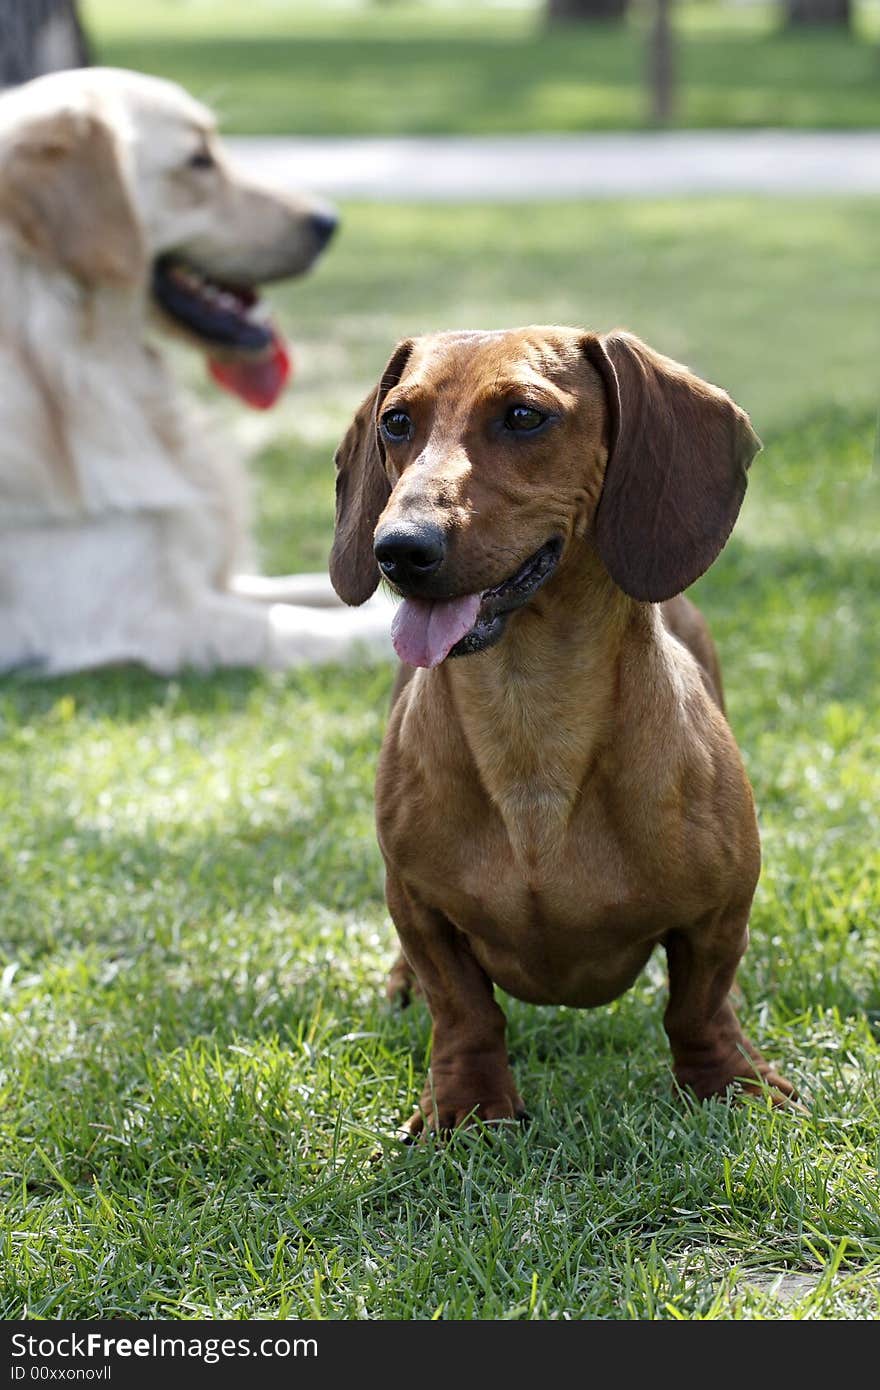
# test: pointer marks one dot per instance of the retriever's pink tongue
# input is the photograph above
(424, 633)
(260, 381)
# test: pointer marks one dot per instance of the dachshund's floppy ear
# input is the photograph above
(362, 490)
(62, 187)
(678, 451)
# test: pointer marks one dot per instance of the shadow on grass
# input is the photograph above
(130, 695)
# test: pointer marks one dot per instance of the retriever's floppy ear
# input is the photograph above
(63, 189)
(362, 490)
(678, 451)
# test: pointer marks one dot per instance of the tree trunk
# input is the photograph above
(38, 36)
(802, 12)
(661, 64)
(584, 11)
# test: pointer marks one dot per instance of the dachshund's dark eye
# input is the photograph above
(396, 425)
(202, 159)
(523, 419)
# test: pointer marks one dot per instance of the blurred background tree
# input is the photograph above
(659, 62)
(836, 12)
(660, 67)
(796, 12)
(580, 11)
(38, 36)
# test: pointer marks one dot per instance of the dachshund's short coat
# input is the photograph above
(559, 790)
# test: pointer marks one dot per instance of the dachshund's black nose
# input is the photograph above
(323, 225)
(409, 553)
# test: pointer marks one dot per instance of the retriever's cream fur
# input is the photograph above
(122, 524)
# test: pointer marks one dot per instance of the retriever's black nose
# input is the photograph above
(323, 225)
(408, 553)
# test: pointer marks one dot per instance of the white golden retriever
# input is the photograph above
(122, 530)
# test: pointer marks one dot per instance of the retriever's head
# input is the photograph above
(119, 179)
(482, 459)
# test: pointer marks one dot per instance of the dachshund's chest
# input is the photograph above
(556, 908)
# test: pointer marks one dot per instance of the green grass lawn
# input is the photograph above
(198, 1077)
(285, 67)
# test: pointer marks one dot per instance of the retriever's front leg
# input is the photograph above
(307, 590)
(470, 1077)
(710, 1051)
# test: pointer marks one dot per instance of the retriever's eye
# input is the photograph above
(523, 419)
(396, 425)
(202, 159)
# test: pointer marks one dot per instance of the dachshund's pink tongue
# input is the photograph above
(424, 633)
(257, 381)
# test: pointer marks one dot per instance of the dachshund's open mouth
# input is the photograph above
(427, 631)
(246, 354)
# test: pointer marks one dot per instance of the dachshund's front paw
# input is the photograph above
(453, 1101)
(742, 1071)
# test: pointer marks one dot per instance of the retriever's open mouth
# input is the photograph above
(221, 315)
(427, 631)
(246, 354)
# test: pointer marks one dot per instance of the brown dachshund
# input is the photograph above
(559, 791)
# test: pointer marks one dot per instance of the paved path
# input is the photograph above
(518, 168)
